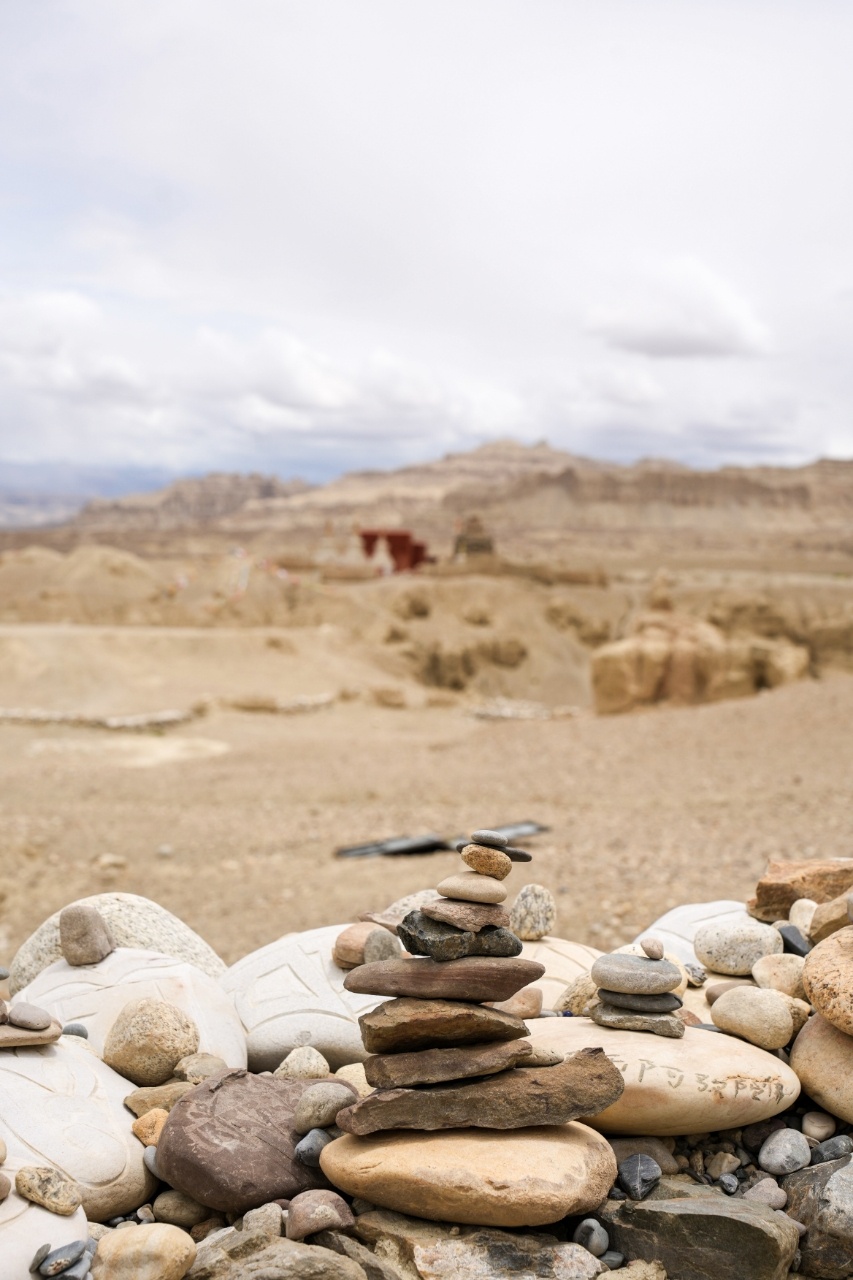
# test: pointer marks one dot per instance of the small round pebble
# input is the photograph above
(320, 1104)
(303, 1063)
(768, 1192)
(818, 1125)
(492, 838)
(592, 1236)
(785, 1151)
(307, 1150)
(76, 1029)
(729, 1183)
(28, 1017)
(653, 948)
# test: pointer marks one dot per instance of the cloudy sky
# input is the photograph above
(307, 235)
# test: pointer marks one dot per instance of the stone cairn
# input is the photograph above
(447, 1051)
(635, 992)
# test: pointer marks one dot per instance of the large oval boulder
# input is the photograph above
(822, 1057)
(702, 1082)
(522, 1178)
(96, 994)
(133, 921)
(61, 1106)
(291, 993)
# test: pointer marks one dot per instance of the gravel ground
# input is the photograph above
(232, 822)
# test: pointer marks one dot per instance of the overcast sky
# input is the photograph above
(334, 233)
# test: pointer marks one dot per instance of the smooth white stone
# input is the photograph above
(563, 960)
(704, 1081)
(96, 994)
(677, 928)
(292, 993)
(60, 1105)
(25, 1227)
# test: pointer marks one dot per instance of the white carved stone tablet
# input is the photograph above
(291, 993)
(677, 928)
(61, 1106)
(95, 995)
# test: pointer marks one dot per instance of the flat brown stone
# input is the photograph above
(583, 1084)
(471, 978)
(784, 882)
(434, 1024)
(467, 915)
(19, 1038)
(433, 1066)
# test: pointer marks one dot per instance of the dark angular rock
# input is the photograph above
(423, 936)
(793, 941)
(639, 1175)
(832, 1149)
(821, 1198)
(230, 1142)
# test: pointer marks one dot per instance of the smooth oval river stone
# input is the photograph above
(828, 979)
(635, 974)
(520, 1178)
(488, 837)
(84, 935)
(28, 1017)
(472, 978)
(433, 1024)
(784, 1151)
(665, 1003)
(470, 886)
(822, 1057)
(699, 1083)
(757, 1014)
(732, 946)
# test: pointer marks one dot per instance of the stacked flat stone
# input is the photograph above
(636, 993)
(441, 1057)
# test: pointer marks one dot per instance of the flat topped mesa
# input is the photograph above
(636, 991)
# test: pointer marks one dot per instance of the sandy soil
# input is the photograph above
(232, 821)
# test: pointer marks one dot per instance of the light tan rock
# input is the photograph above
(819, 1125)
(470, 886)
(155, 1251)
(147, 1039)
(563, 961)
(526, 1003)
(534, 913)
(782, 973)
(199, 1066)
(303, 1063)
(526, 1177)
(801, 914)
(84, 935)
(580, 997)
(179, 1210)
(364, 942)
(50, 1189)
(697, 1084)
(353, 1073)
(164, 1096)
(828, 918)
(733, 946)
(639, 1270)
(800, 1011)
(828, 979)
(149, 1126)
(822, 1057)
(784, 882)
(757, 1015)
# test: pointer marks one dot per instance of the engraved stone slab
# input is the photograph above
(292, 993)
(699, 1083)
(133, 921)
(96, 994)
(60, 1105)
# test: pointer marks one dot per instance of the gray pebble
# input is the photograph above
(149, 1159)
(592, 1236)
(612, 1259)
(729, 1183)
(653, 948)
(79, 1270)
(639, 1175)
(832, 1149)
(28, 1017)
(635, 974)
(59, 1260)
(665, 1003)
(307, 1150)
(785, 1151)
(145, 1214)
(319, 1105)
(4, 973)
(39, 1257)
(76, 1029)
(493, 839)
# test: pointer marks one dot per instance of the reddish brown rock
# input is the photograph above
(784, 882)
(472, 978)
(467, 915)
(319, 1210)
(434, 1024)
(583, 1084)
(433, 1066)
(229, 1143)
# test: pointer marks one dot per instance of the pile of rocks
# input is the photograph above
(635, 993)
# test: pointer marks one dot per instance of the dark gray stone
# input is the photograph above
(308, 1149)
(590, 1234)
(793, 941)
(612, 1260)
(729, 1183)
(832, 1149)
(821, 1198)
(76, 1029)
(493, 839)
(58, 1260)
(38, 1258)
(423, 936)
(638, 1176)
(639, 1003)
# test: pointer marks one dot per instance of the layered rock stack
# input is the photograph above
(636, 992)
(447, 1052)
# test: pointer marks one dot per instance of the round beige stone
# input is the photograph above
(822, 1057)
(353, 1073)
(148, 1039)
(563, 960)
(828, 979)
(781, 973)
(470, 886)
(303, 1063)
(153, 1251)
(759, 1016)
(732, 946)
(701, 1083)
(801, 914)
(517, 1178)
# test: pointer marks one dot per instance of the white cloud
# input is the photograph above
(686, 311)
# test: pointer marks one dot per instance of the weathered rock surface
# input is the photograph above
(229, 1144)
(291, 993)
(781, 973)
(534, 913)
(521, 1178)
(434, 1251)
(240, 1255)
(822, 1057)
(828, 918)
(584, 1084)
(828, 979)
(470, 886)
(391, 916)
(432, 1066)
(701, 1236)
(657, 1024)
(362, 943)
(698, 1084)
(62, 1106)
(486, 861)
(133, 921)
(635, 974)
(734, 946)
(148, 1039)
(467, 915)
(84, 935)
(784, 882)
(758, 1015)
(317, 1210)
(423, 936)
(821, 1197)
(152, 1252)
(434, 1024)
(472, 978)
